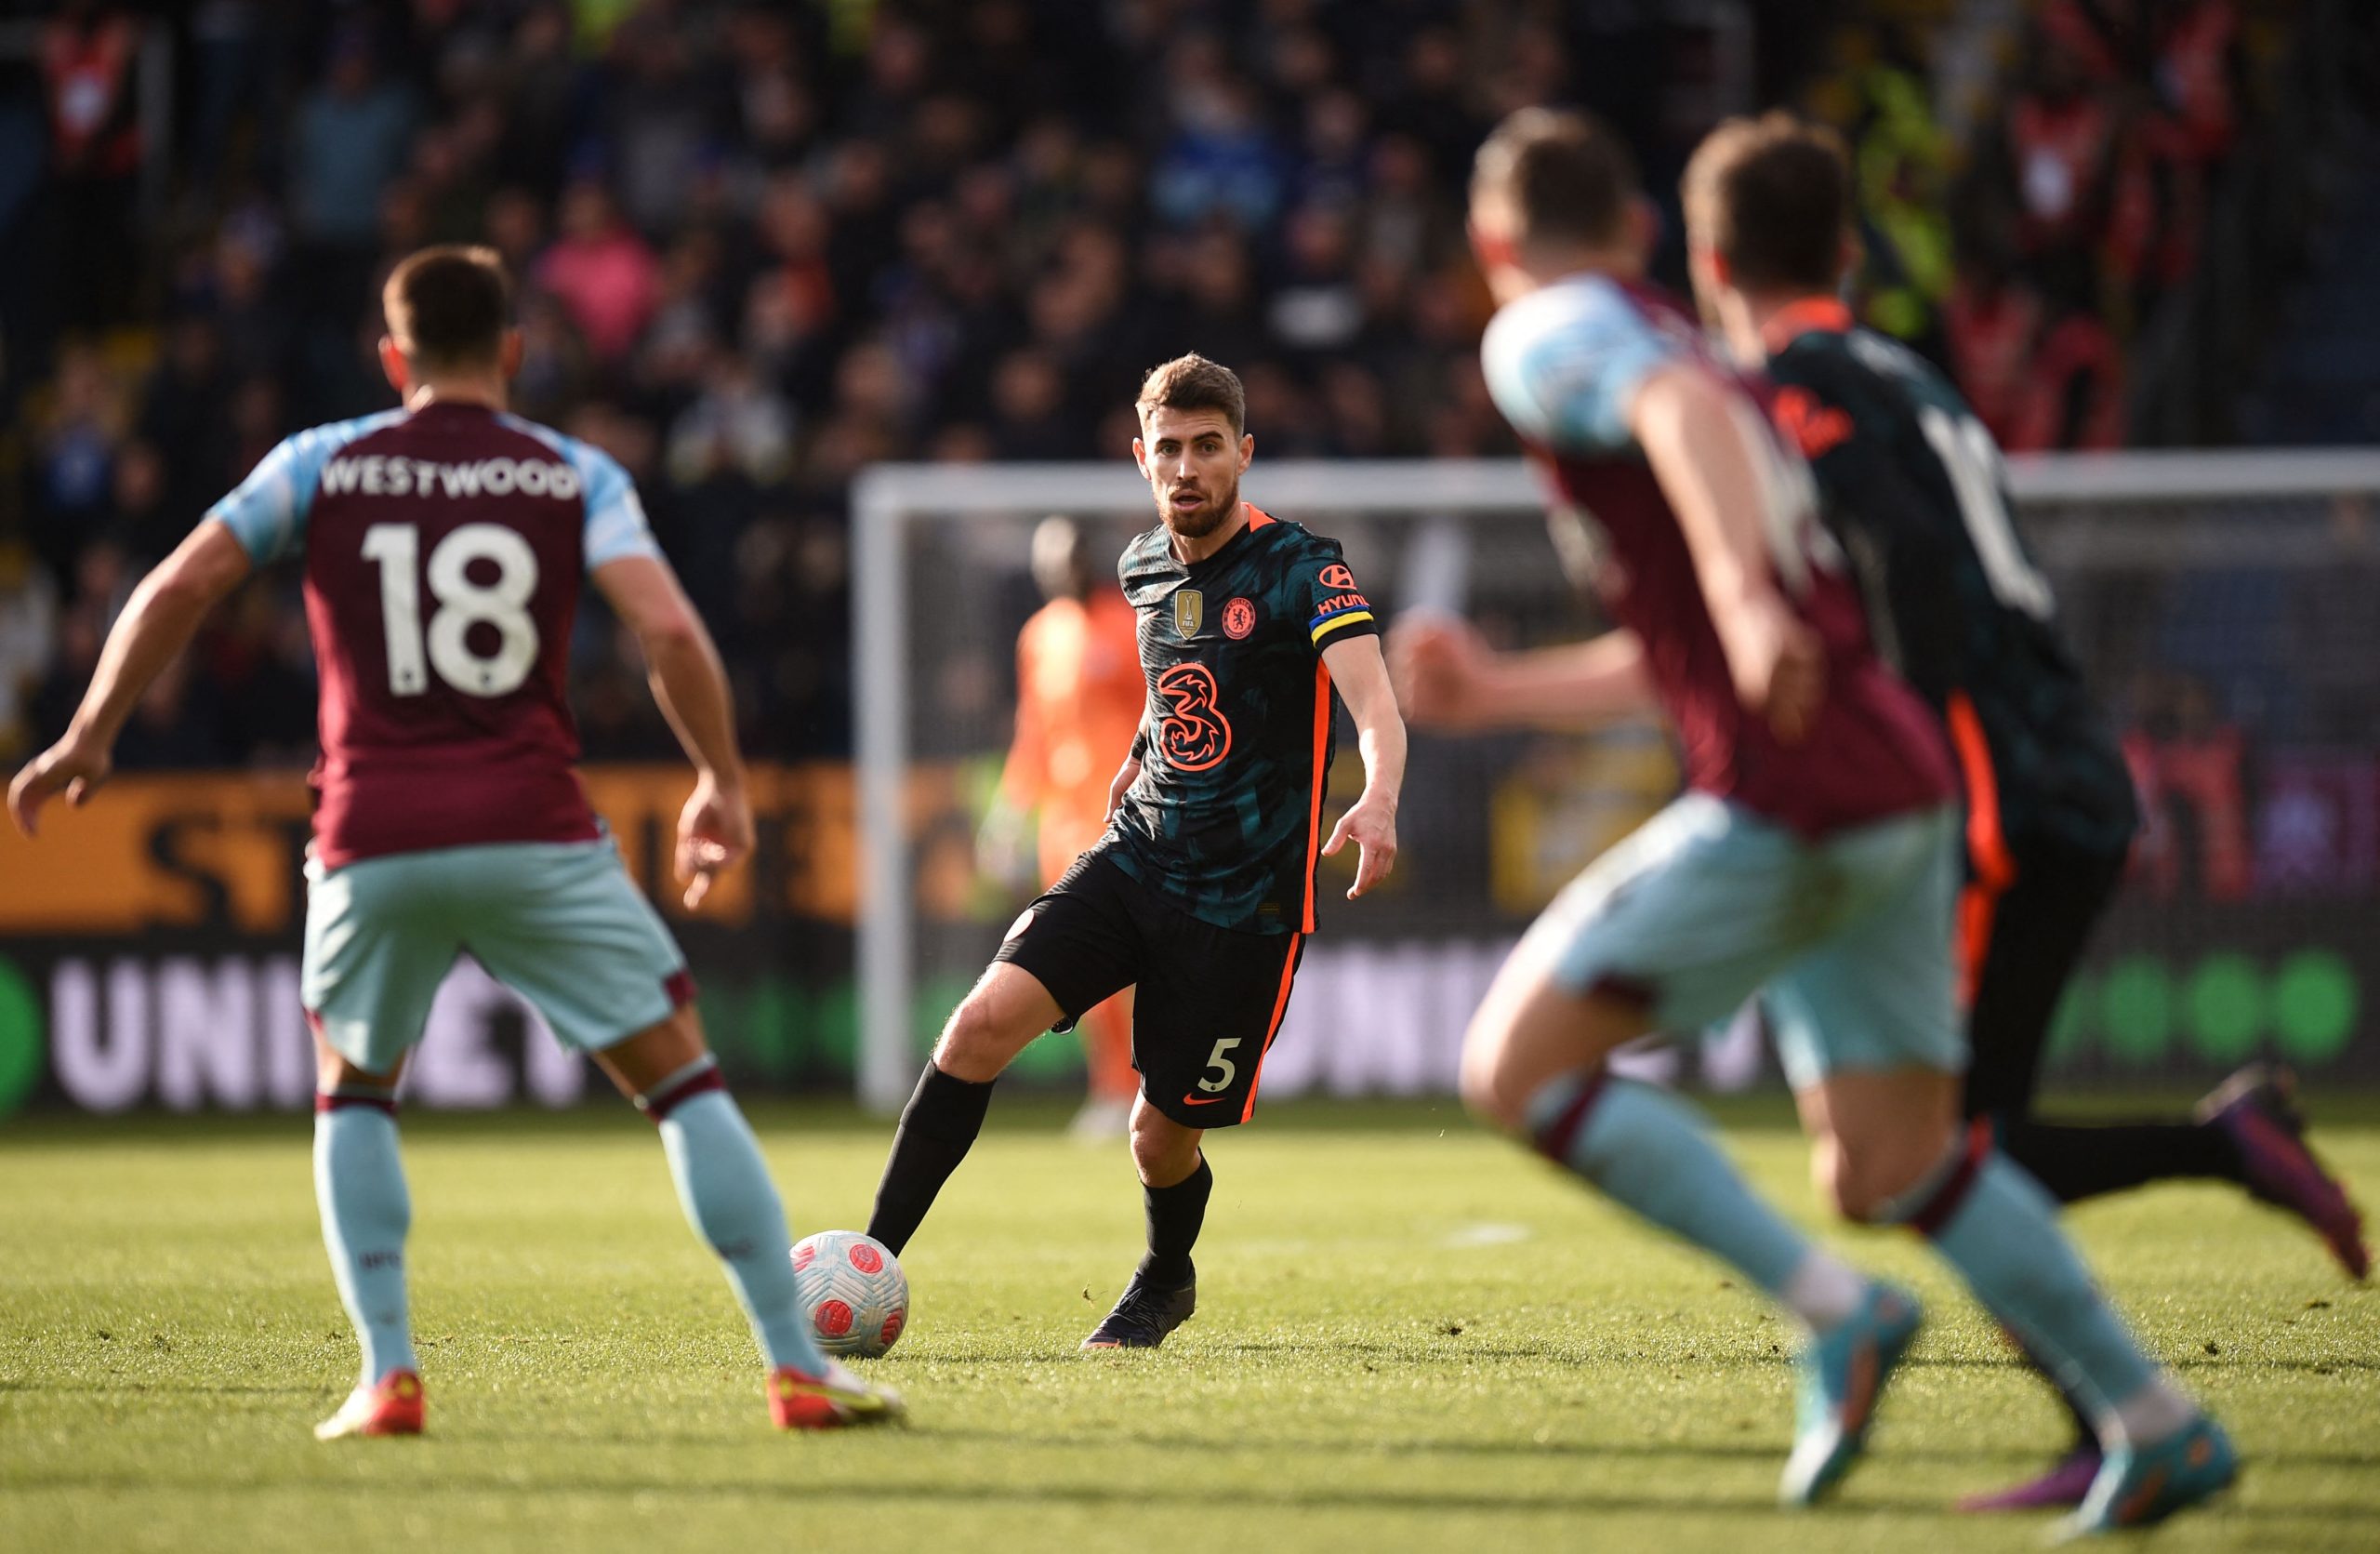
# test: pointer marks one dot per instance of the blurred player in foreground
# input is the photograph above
(1078, 699)
(443, 545)
(1815, 858)
(1202, 892)
(1913, 487)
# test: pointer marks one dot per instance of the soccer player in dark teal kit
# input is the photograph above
(1202, 892)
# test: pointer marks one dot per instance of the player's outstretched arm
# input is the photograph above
(1358, 669)
(1709, 447)
(1448, 677)
(682, 665)
(157, 623)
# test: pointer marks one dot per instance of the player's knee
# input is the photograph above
(1163, 1151)
(1485, 1099)
(1491, 1086)
(1825, 1172)
(332, 1071)
(1845, 1179)
(1851, 1197)
(976, 1043)
(1869, 1177)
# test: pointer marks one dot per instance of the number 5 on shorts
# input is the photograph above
(1220, 1058)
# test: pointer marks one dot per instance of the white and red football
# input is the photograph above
(853, 1291)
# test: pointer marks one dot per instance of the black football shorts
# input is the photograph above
(1210, 999)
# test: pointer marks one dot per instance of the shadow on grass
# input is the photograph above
(1439, 1351)
(1756, 1452)
(880, 1492)
(174, 1388)
(1109, 1440)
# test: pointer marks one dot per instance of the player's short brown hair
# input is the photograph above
(1565, 176)
(1193, 382)
(1772, 196)
(449, 306)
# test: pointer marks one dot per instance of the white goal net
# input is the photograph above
(2223, 605)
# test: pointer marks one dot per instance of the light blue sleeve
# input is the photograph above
(616, 527)
(266, 513)
(1564, 365)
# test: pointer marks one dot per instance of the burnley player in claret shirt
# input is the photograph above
(1202, 890)
(1813, 859)
(443, 545)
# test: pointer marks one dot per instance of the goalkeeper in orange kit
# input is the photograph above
(1080, 694)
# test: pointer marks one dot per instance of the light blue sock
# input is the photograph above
(725, 1186)
(360, 1186)
(2004, 1238)
(1647, 1149)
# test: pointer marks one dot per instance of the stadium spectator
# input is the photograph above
(87, 53)
(75, 456)
(766, 244)
(602, 272)
(349, 138)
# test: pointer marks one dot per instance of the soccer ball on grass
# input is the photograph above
(852, 1293)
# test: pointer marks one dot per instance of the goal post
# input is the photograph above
(2130, 541)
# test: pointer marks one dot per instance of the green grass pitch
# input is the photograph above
(1412, 1337)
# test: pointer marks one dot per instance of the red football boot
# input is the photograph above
(391, 1406)
(836, 1401)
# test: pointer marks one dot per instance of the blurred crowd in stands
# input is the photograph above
(2082, 206)
(760, 245)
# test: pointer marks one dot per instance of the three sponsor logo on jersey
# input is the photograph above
(1194, 734)
(380, 476)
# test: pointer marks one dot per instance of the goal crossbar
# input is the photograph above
(886, 497)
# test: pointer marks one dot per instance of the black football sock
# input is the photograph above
(2079, 1160)
(1175, 1215)
(937, 1128)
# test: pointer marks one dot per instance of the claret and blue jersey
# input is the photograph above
(1565, 365)
(1818, 873)
(443, 552)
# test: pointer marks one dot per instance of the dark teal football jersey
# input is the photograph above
(1236, 742)
(1912, 486)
